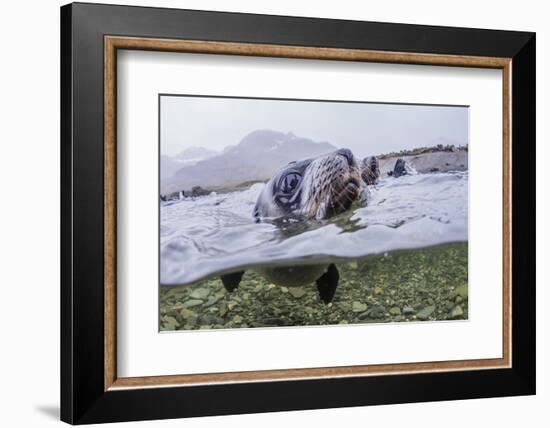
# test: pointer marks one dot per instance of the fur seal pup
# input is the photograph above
(401, 168)
(317, 188)
(370, 170)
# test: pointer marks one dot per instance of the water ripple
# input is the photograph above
(216, 233)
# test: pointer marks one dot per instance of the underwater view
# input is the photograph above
(409, 285)
(280, 230)
(401, 257)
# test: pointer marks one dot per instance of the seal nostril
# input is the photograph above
(347, 154)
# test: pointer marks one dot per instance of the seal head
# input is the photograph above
(314, 188)
(370, 170)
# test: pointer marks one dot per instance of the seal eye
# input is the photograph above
(290, 182)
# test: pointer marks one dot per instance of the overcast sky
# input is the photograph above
(364, 128)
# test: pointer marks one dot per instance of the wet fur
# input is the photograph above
(329, 184)
(370, 170)
(324, 190)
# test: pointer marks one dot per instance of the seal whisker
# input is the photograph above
(316, 188)
(348, 197)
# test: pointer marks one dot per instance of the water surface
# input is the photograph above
(204, 236)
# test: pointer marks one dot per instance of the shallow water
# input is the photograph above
(201, 237)
(425, 284)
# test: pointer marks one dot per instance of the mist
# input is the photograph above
(365, 128)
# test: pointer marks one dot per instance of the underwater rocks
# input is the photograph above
(191, 303)
(425, 313)
(407, 310)
(461, 291)
(375, 312)
(297, 292)
(457, 312)
(199, 293)
(458, 301)
(395, 311)
(405, 286)
(358, 307)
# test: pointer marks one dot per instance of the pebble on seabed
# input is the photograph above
(417, 285)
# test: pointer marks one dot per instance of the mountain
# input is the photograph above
(169, 166)
(256, 158)
(195, 154)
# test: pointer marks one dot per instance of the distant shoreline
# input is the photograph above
(423, 150)
(424, 160)
(429, 162)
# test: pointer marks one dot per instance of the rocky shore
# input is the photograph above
(430, 161)
(414, 285)
(442, 161)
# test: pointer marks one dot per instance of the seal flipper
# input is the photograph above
(327, 283)
(231, 280)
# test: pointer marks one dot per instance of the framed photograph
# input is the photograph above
(266, 213)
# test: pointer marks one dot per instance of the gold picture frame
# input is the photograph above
(114, 43)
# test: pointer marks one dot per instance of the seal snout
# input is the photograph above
(352, 186)
(314, 188)
(349, 193)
